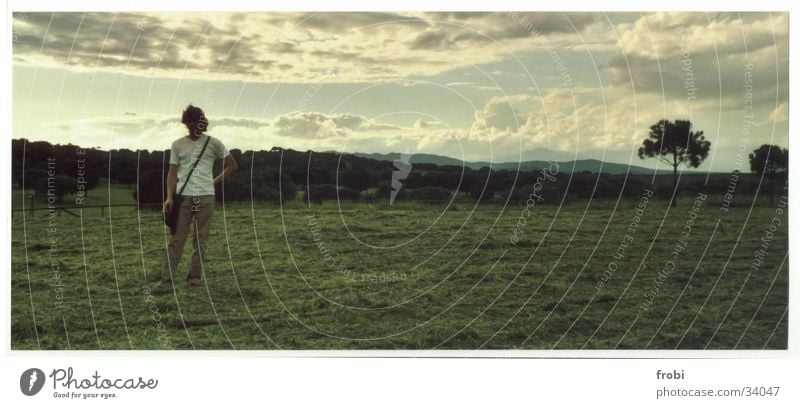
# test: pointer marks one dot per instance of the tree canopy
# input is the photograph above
(675, 144)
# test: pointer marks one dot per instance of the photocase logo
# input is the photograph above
(403, 167)
(31, 381)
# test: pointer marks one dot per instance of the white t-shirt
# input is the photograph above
(184, 153)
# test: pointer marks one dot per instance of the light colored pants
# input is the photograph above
(197, 210)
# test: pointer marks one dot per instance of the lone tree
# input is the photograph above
(675, 144)
(771, 162)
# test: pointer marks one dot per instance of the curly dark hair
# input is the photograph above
(194, 114)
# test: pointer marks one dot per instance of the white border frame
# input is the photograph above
(415, 5)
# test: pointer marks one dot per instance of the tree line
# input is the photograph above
(284, 174)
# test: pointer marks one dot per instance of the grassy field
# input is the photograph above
(409, 276)
(104, 194)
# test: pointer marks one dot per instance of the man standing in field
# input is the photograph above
(195, 204)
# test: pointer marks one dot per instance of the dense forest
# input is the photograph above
(284, 174)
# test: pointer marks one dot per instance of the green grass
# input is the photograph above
(456, 283)
(104, 193)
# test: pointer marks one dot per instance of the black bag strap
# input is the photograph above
(188, 176)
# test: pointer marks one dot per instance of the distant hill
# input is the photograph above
(576, 166)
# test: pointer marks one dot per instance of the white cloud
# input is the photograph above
(703, 55)
(503, 113)
(320, 125)
(426, 124)
(780, 113)
(280, 47)
(668, 34)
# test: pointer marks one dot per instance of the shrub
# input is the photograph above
(58, 186)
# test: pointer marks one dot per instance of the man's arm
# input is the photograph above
(172, 183)
(230, 167)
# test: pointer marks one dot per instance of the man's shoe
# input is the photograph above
(193, 283)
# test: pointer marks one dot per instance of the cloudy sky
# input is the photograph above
(474, 86)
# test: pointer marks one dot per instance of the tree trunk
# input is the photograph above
(673, 202)
(771, 190)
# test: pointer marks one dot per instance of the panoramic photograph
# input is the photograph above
(399, 181)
